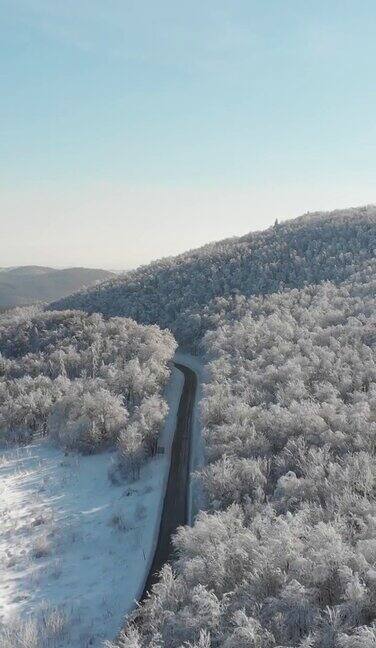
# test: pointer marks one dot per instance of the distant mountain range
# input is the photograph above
(26, 285)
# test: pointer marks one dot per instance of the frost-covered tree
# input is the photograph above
(81, 379)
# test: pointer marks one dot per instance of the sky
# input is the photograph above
(131, 130)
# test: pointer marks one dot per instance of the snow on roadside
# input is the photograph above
(196, 500)
(71, 539)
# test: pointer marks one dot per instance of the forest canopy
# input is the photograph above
(284, 554)
(86, 382)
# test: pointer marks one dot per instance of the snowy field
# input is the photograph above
(71, 540)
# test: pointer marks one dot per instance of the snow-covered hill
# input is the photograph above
(191, 292)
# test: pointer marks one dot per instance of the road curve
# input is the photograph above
(175, 506)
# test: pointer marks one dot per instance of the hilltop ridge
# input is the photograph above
(184, 293)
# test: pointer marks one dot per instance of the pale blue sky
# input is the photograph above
(135, 129)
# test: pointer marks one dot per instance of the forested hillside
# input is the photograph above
(85, 382)
(82, 410)
(285, 555)
(190, 293)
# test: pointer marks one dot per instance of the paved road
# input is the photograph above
(175, 507)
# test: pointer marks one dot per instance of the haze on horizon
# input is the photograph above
(133, 130)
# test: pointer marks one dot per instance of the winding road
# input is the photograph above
(175, 507)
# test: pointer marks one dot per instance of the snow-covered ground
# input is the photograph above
(71, 539)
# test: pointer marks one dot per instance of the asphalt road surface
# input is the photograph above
(175, 507)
